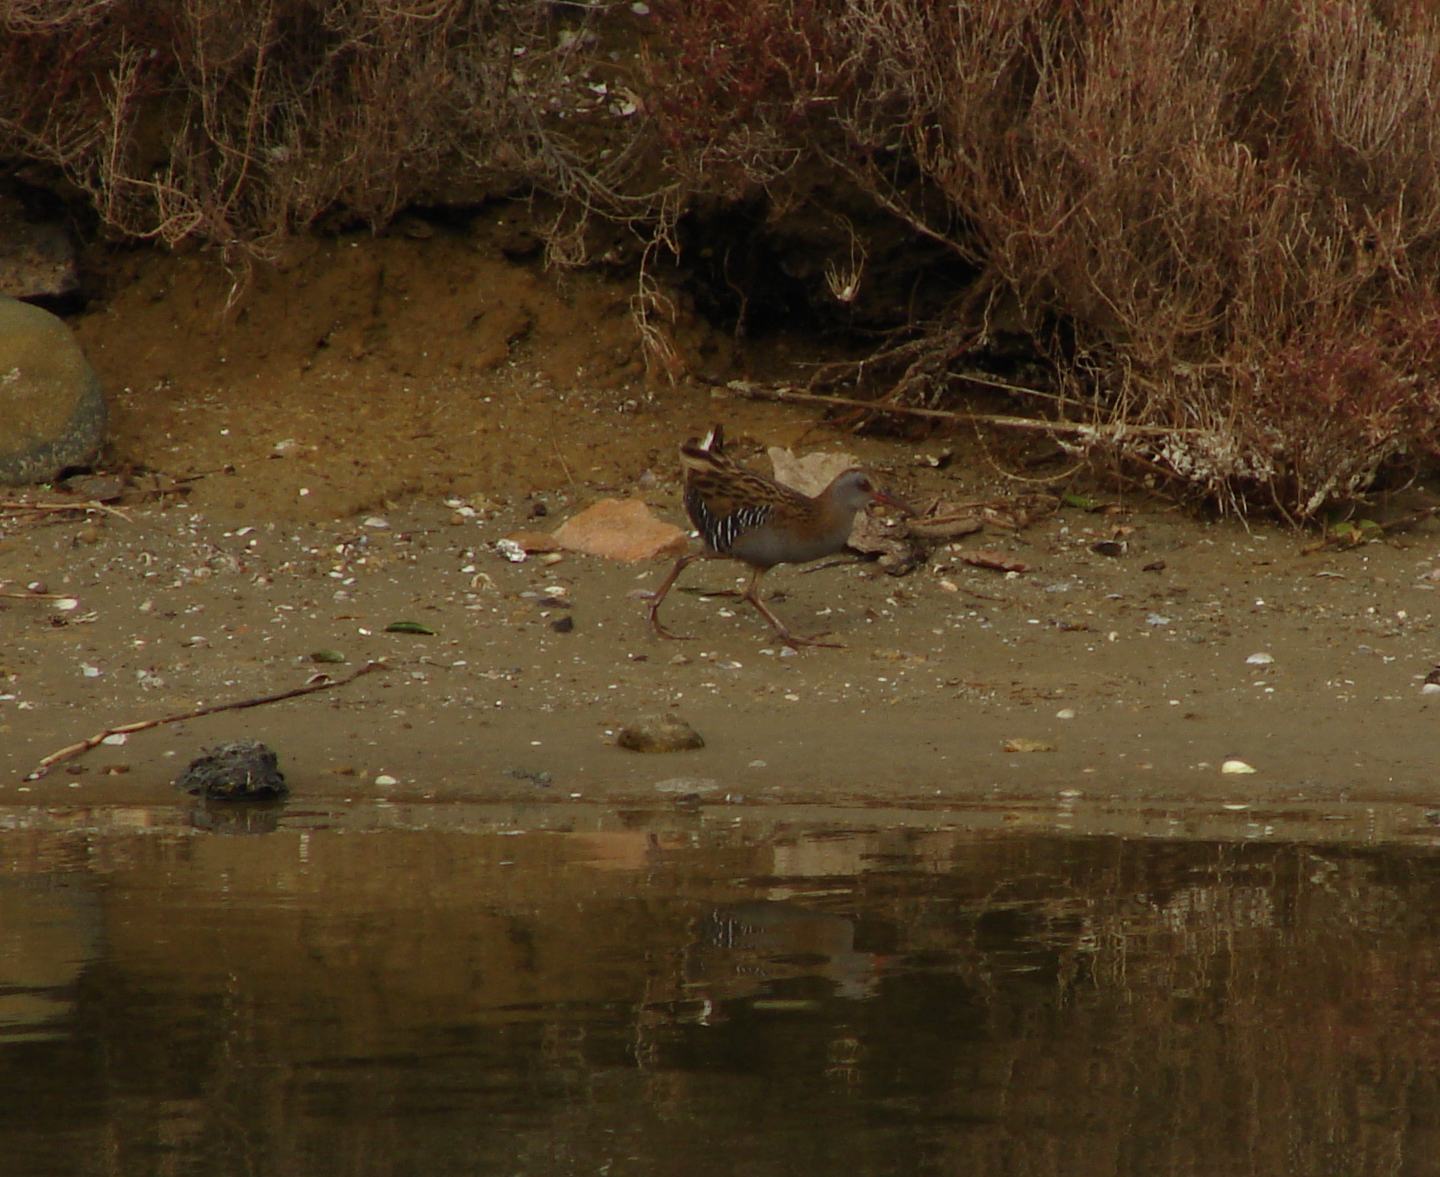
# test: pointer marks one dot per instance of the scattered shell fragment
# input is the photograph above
(1261, 659)
(1233, 767)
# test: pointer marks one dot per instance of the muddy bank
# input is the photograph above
(334, 437)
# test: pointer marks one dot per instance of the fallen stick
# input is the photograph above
(1000, 420)
(86, 505)
(951, 526)
(79, 749)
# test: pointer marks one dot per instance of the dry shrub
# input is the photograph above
(1219, 221)
(239, 124)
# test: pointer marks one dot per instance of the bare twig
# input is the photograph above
(80, 748)
(87, 505)
(1000, 420)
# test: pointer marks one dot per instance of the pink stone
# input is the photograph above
(621, 529)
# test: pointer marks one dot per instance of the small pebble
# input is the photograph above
(659, 733)
(1020, 744)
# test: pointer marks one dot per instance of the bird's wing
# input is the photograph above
(724, 499)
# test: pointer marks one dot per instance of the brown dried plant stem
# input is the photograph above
(87, 505)
(79, 749)
(1000, 420)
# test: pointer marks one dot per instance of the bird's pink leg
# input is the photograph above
(659, 595)
(794, 641)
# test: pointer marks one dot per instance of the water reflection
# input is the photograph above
(417, 993)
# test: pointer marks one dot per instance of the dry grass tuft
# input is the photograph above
(1216, 219)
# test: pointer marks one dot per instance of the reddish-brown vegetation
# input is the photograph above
(1218, 224)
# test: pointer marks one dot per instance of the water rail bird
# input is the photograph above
(744, 516)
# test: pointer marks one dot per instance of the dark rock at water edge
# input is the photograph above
(245, 770)
(52, 409)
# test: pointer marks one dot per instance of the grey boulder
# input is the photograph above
(52, 410)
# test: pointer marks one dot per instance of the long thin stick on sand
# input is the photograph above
(79, 749)
(1000, 420)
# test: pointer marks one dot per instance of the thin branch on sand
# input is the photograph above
(86, 505)
(79, 749)
(999, 420)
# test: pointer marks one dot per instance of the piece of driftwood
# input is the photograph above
(999, 420)
(950, 526)
(47, 507)
(81, 747)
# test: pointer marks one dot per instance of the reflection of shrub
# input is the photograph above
(1220, 221)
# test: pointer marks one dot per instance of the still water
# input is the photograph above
(447, 990)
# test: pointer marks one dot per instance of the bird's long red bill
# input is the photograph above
(884, 496)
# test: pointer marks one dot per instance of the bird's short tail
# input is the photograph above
(702, 454)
